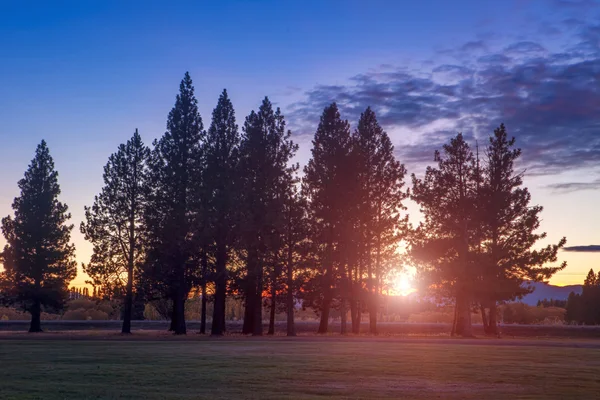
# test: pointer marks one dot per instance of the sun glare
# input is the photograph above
(403, 285)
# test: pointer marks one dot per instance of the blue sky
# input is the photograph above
(84, 75)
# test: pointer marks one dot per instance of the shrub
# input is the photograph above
(75, 315)
(81, 303)
(97, 315)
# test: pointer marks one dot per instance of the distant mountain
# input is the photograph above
(545, 291)
(542, 291)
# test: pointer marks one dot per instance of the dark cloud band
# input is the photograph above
(584, 249)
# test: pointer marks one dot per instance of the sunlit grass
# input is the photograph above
(57, 369)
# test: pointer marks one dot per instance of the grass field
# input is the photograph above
(307, 367)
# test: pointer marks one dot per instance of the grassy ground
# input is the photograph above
(297, 369)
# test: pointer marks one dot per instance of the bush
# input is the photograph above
(108, 309)
(75, 315)
(81, 303)
(97, 315)
(520, 313)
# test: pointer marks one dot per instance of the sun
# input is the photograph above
(402, 285)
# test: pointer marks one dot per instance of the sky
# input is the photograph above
(84, 75)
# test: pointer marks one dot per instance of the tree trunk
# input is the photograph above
(272, 311)
(375, 295)
(250, 294)
(484, 319)
(203, 292)
(203, 310)
(126, 328)
(324, 323)
(173, 319)
(36, 316)
(291, 328)
(179, 327)
(454, 319)
(373, 314)
(218, 321)
(327, 290)
(343, 317)
(257, 328)
(371, 298)
(355, 316)
(463, 315)
(248, 326)
(128, 300)
(493, 320)
(355, 303)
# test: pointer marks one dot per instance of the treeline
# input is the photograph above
(545, 303)
(224, 212)
(584, 308)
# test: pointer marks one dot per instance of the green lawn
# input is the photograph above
(278, 369)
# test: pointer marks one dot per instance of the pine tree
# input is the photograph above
(590, 279)
(38, 258)
(590, 299)
(172, 214)
(221, 152)
(296, 232)
(114, 223)
(574, 313)
(442, 244)
(505, 213)
(381, 181)
(284, 245)
(325, 183)
(265, 152)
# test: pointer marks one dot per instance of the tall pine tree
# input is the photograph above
(39, 258)
(114, 223)
(380, 196)
(296, 233)
(509, 231)
(441, 246)
(265, 153)
(326, 178)
(173, 210)
(220, 181)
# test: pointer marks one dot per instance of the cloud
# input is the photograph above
(524, 48)
(477, 45)
(567, 187)
(594, 248)
(549, 100)
(494, 59)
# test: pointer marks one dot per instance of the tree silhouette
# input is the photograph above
(38, 258)
(380, 194)
(441, 245)
(326, 179)
(172, 217)
(296, 232)
(584, 308)
(506, 214)
(114, 223)
(265, 152)
(220, 181)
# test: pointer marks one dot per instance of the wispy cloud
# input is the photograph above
(594, 248)
(566, 187)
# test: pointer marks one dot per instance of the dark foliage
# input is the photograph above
(39, 260)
